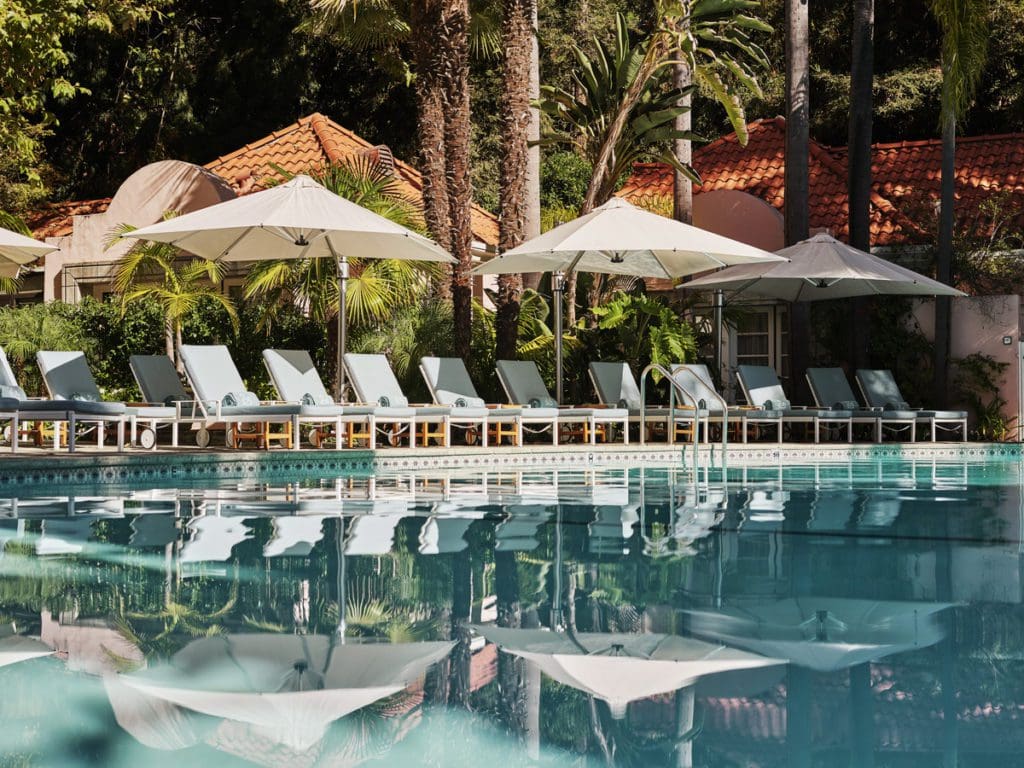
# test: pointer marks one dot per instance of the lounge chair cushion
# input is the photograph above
(158, 379)
(85, 407)
(67, 376)
(261, 410)
(9, 404)
(458, 412)
(12, 392)
(241, 399)
(941, 415)
(616, 385)
(152, 412)
(325, 411)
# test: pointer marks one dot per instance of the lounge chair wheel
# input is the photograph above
(316, 438)
(395, 437)
(472, 436)
(7, 433)
(147, 438)
(203, 437)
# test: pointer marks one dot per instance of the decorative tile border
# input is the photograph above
(48, 472)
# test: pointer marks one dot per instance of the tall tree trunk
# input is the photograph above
(517, 34)
(944, 259)
(426, 14)
(462, 603)
(453, 40)
(682, 190)
(859, 182)
(797, 177)
(531, 222)
(512, 671)
(169, 339)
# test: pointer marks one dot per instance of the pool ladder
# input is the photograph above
(687, 398)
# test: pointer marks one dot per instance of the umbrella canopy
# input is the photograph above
(291, 687)
(620, 668)
(618, 238)
(823, 268)
(296, 220)
(15, 648)
(16, 250)
(825, 634)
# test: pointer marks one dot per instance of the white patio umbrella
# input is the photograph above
(15, 647)
(825, 634)
(296, 220)
(17, 250)
(619, 668)
(289, 687)
(620, 239)
(823, 268)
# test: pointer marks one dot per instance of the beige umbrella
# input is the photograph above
(825, 634)
(296, 220)
(619, 668)
(620, 239)
(823, 268)
(16, 251)
(289, 687)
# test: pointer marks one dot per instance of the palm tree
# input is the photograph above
(452, 40)
(717, 53)
(797, 178)
(964, 25)
(859, 178)
(692, 29)
(158, 271)
(582, 116)
(516, 117)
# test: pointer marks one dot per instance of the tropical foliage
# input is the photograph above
(376, 287)
(178, 283)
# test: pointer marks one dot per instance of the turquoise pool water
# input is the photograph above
(856, 614)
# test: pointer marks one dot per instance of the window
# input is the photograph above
(753, 339)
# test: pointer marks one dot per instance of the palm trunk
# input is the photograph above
(425, 14)
(511, 668)
(452, 38)
(169, 337)
(944, 260)
(531, 223)
(797, 177)
(462, 604)
(859, 182)
(682, 190)
(517, 34)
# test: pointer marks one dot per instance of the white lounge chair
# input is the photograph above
(695, 378)
(830, 389)
(450, 385)
(761, 387)
(616, 386)
(880, 390)
(222, 398)
(296, 380)
(375, 382)
(524, 386)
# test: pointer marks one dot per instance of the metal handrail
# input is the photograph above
(721, 401)
(675, 387)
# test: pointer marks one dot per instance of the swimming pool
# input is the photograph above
(864, 613)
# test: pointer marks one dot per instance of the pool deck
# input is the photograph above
(44, 468)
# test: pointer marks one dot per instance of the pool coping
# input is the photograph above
(40, 470)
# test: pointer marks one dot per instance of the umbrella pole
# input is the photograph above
(342, 326)
(719, 336)
(558, 287)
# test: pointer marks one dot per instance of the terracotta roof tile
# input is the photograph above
(313, 141)
(310, 142)
(906, 178)
(54, 219)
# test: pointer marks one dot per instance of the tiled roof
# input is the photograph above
(54, 219)
(906, 178)
(314, 141)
